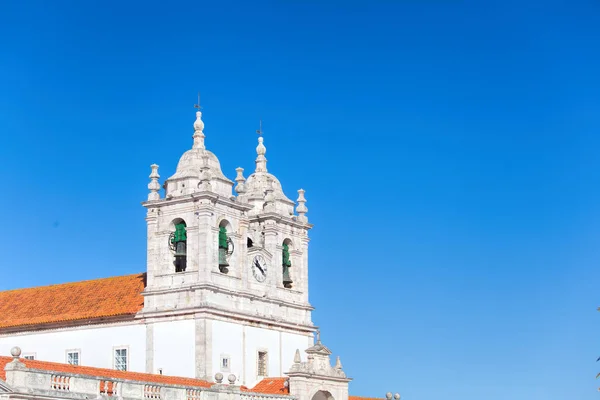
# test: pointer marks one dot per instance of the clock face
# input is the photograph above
(259, 268)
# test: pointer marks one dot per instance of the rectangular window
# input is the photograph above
(262, 363)
(225, 363)
(121, 359)
(73, 357)
(29, 356)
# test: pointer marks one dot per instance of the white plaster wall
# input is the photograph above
(95, 344)
(227, 339)
(290, 344)
(242, 344)
(175, 348)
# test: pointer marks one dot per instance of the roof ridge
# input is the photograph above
(74, 282)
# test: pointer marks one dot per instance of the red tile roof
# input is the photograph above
(266, 386)
(100, 298)
(271, 386)
(276, 386)
(105, 373)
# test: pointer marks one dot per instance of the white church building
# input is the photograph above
(221, 311)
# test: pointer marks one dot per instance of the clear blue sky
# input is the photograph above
(449, 154)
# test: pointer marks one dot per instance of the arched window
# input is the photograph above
(226, 247)
(178, 244)
(286, 263)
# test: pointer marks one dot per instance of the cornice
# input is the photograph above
(215, 198)
(226, 316)
(118, 320)
(280, 218)
(218, 289)
(317, 376)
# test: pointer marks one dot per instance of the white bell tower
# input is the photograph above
(237, 265)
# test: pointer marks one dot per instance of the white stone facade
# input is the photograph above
(314, 379)
(205, 314)
(236, 315)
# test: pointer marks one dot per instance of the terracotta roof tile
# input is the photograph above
(107, 297)
(104, 373)
(271, 386)
(266, 386)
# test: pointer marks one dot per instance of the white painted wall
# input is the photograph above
(175, 348)
(242, 344)
(96, 344)
(227, 340)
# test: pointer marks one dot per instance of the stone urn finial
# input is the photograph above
(15, 352)
(231, 378)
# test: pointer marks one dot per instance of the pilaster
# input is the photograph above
(204, 215)
(150, 348)
(152, 249)
(204, 349)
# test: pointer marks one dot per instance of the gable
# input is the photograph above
(85, 300)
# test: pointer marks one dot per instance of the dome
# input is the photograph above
(191, 163)
(198, 170)
(259, 182)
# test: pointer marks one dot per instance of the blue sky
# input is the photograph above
(449, 153)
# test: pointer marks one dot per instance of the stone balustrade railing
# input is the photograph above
(37, 383)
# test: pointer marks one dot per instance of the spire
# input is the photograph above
(261, 161)
(198, 127)
(154, 186)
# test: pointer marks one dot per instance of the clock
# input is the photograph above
(259, 268)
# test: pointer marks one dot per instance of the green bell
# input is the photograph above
(180, 257)
(223, 257)
(180, 249)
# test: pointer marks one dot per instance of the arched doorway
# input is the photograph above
(322, 395)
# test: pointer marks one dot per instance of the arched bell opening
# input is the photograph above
(323, 395)
(178, 244)
(225, 245)
(286, 263)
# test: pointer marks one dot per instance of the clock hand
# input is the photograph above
(258, 266)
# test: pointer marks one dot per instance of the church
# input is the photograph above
(221, 311)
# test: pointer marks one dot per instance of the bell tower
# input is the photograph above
(234, 264)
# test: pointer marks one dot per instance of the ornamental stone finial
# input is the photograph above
(218, 377)
(397, 396)
(15, 352)
(338, 363)
(198, 132)
(241, 186)
(15, 364)
(231, 378)
(205, 175)
(269, 198)
(301, 209)
(261, 161)
(388, 395)
(154, 186)
(297, 359)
